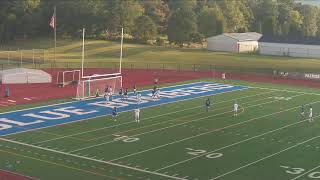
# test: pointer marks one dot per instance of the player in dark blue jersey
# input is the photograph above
(207, 104)
(114, 113)
(125, 94)
(121, 93)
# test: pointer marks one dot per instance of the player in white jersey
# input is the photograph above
(157, 94)
(235, 109)
(137, 115)
(138, 98)
(310, 114)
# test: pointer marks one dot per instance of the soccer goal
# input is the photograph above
(68, 77)
(93, 86)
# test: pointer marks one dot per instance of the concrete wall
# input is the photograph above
(293, 50)
(222, 43)
(248, 46)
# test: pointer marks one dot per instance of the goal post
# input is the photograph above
(68, 77)
(94, 86)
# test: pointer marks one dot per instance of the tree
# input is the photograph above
(182, 4)
(235, 19)
(295, 23)
(268, 14)
(211, 21)
(181, 24)
(123, 14)
(158, 11)
(145, 29)
(309, 27)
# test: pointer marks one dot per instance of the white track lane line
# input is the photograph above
(131, 122)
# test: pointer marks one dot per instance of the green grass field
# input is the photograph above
(268, 140)
(104, 52)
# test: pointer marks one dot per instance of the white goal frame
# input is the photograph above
(63, 82)
(81, 85)
(99, 75)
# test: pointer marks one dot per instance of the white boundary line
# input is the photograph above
(160, 129)
(91, 159)
(130, 122)
(198, 97)
(230, 145)
(266, 157)
(208, 132)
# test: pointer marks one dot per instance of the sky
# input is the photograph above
(313, 2)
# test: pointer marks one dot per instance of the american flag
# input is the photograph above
(53, 21)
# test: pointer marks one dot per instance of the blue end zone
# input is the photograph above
(46, 116)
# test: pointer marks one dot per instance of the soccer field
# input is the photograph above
(178, 139)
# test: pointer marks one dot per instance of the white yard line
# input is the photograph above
(172, 120)
(160, 129)
(231, 145)
(195, 136)
(132, 122)
(95, 160)
(198, 97)
(266, 157)
(307, 172)
(205, 133)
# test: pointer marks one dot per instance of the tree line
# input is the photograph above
(180, 21)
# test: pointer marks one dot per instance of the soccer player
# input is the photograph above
(114, 113)
(138, 98)
(120, 93)
(110, 91)
(125, 94)
(156, 81)
(302, 114)
(157, 94)
(134, 89)
(310, 114)
(137, 115)
(235, 109)
(207, 104)
(107, 98)
(153, 92)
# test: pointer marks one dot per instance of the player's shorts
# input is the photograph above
(235, 110)
(302, 113)
(310, 115)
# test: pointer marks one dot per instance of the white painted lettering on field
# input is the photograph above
(72, 110)
(5, 126)
(9, 121)
(56, 115)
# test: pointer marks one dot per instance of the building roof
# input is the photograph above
(291, 40)
(248, 36)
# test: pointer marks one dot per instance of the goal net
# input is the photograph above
(68, 77)
(93, 87)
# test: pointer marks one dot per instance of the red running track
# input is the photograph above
(6, 175)
(31, 93)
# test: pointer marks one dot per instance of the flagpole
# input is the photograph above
(121, 46)
(55, 34)
(82, 60)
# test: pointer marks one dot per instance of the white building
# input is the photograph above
(294, 47)
(234, 42)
